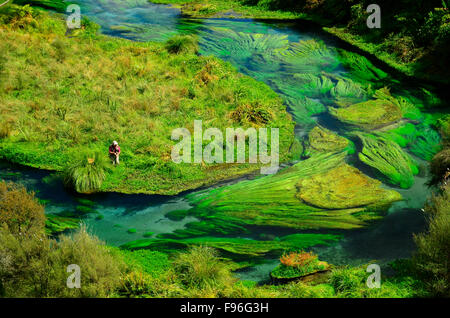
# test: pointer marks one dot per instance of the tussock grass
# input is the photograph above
(82, 92)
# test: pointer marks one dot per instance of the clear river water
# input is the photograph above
(384, 241)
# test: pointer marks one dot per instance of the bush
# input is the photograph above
(432, 259)
(347, 280)
(180, 44)
(19, 210)
(86, 172)
(32, 265)
(200, 268)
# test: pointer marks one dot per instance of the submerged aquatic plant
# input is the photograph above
(389, 159)
(308, 56)
(86, 172)
(360, 67)
(241, 45)
(272, 200)
(368, 115)
(314, 86)
(409, 110)
(344, 187)
(347, 92)
(323, 140)
(303, 108)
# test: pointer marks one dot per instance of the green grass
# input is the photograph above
(82, 92)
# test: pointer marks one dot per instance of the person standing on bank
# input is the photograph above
(114, 152)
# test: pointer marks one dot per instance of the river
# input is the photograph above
(138, 20)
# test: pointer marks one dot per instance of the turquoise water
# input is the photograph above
(253, 47)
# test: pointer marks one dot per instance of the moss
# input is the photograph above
(323, 140)
(148, 234)
(389, 159)
(131, 231)
(344, 187)
(368, 115)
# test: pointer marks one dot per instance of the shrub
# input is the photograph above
(86, 173)
(347, 280)
(180, 44)
(19, 210)
(100, 269)
(32, 265)
(200, 268)
(432, 259)
(439, 167)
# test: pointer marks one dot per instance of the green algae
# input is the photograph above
(389, 159)
(371, 114)
(321, 139)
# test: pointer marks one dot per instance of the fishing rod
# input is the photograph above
(1, 5)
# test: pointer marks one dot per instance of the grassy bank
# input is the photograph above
(65, 105)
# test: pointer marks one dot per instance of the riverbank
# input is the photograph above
(396, 48)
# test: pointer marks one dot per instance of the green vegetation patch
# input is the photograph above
(55, 224)
(273, 200)
(368, 115)
(324, 140)
(389, 159)
(345, 187)
(298, 264)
